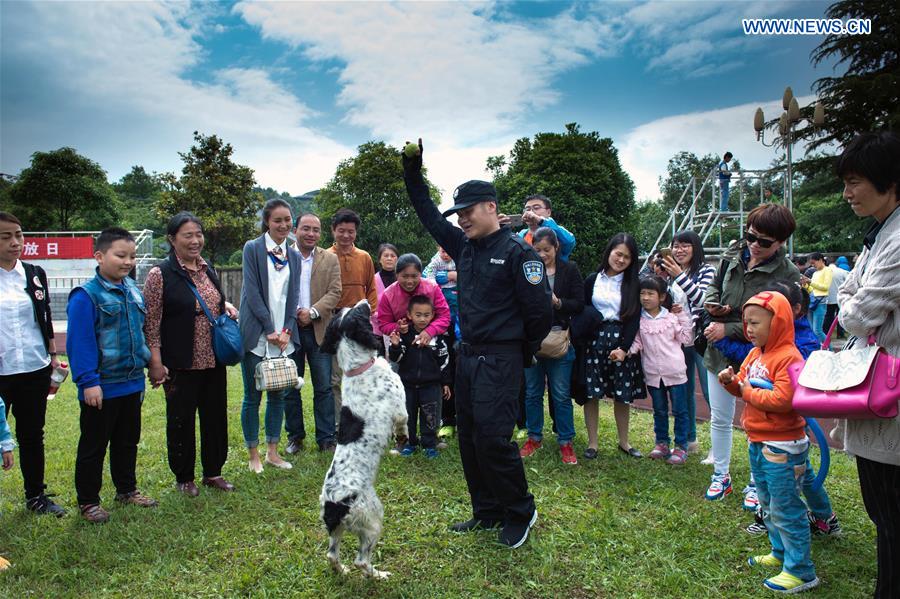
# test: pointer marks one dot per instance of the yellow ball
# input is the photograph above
(411, 150)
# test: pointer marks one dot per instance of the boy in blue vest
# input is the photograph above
(107, 354)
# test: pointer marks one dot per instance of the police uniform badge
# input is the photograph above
(534, 271)
(37, 281)
(39, 295)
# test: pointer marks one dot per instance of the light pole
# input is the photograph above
(786, 123)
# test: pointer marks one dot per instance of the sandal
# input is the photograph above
(590, 453)
(94, 513)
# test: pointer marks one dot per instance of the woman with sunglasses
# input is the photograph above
(747, 268)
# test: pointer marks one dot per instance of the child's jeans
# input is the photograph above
(779, 477)
(661, 396)
(426, 402)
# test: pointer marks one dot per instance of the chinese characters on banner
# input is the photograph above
(42, 248)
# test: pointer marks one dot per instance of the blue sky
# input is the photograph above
(295, 87)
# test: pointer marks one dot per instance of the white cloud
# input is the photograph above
(117, 78)
(448, 70)
(645, 151)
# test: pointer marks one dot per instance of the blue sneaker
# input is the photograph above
(431, 453)
(719, 488)
(408, 450)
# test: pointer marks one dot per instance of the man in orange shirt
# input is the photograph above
(357, 280)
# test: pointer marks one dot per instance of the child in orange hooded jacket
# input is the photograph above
(779, 446)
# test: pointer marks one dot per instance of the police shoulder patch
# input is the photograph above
(534, 271)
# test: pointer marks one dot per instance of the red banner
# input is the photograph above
(42, 248)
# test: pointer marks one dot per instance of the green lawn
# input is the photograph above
(612, 527)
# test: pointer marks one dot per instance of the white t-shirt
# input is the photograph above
(278, 292)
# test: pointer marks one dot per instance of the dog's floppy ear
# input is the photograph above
(357, 326)
(333, 334)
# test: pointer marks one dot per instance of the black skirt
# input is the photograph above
(621, 381)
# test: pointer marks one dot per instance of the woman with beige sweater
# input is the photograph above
(870, 304)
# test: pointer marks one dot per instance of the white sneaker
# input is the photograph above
(709, 459)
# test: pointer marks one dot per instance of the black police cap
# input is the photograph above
(470, 193)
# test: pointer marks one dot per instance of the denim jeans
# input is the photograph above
(721, 427)
(817, 500)
(250, 407)
(559, 373)
(695, 369)
(323, 398)
(816, 318)
(661, 396)
(779, 478)
(723, 200)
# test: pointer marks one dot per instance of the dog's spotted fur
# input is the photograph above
(373, 408)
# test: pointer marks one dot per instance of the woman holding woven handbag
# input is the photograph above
(182, 360)
(557, 355)
(269, 298)
(870, 303)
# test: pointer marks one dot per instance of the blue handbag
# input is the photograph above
(226, 338)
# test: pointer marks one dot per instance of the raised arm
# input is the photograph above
(447, 236)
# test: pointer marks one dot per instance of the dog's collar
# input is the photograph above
(360, 369)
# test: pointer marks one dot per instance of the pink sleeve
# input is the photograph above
(441, 320)
(685, 328)
(386, 321)
(636, 345)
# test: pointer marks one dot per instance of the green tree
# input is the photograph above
(867, 96)
(682, 166)
(591, 194)
(371, 184)
(138, 193)
(649, 219)
(218, 191)
(825, 222)
(62, 190)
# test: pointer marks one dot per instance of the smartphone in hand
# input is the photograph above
(515, 221)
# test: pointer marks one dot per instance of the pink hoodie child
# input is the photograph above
(394, 303)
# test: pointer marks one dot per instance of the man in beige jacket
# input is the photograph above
(320, 291)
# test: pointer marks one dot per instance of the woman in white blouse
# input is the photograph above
(27, 357)
(269, 297)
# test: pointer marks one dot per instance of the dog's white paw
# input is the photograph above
(380, 574)
(340, 568)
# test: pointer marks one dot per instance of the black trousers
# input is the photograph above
(189, 392)
(448, 406)
(831, 312)
(880, 485)
(487, 397)
(118, 425)
(26, 396)
(423, 405)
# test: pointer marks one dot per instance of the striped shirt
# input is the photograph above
(694, 285)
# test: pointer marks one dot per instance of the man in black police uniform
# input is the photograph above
(505, 312)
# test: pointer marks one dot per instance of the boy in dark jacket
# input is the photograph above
(424, 372)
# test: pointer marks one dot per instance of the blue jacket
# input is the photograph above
(105, 338)
(255, 318)
(565, 237)
(843, 263)
(804, 338)
(6, 441)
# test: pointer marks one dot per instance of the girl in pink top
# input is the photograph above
(662, 333)
(392, 306)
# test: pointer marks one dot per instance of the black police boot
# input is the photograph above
(514, 534)
(476, 524)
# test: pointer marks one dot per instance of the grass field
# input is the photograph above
(612, 527)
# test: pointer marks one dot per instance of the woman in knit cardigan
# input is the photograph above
(870, 304)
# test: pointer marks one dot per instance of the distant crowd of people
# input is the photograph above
(478, 332)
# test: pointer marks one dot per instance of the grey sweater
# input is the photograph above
(870, 301)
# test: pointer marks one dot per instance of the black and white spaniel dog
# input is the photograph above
(374, 407)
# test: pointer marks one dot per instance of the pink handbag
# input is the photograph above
(855, 383)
